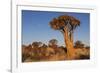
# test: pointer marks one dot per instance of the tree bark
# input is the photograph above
(71, 39)
(69, 45)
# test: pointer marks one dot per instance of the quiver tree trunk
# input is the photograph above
(69, 44)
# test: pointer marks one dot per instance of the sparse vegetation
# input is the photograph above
(52, 52)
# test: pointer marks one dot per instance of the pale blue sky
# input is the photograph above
(35, 27)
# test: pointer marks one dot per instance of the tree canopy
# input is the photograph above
(64, 20)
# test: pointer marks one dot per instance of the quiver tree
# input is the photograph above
(66, 24)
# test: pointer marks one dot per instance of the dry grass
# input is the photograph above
(30, 54)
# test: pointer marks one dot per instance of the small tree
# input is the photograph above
(53, 43)
(36, 44)
(79, 44)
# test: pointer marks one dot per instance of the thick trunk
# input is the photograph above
(69, 45)
(71, 39)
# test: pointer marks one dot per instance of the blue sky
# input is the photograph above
(35, 27)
